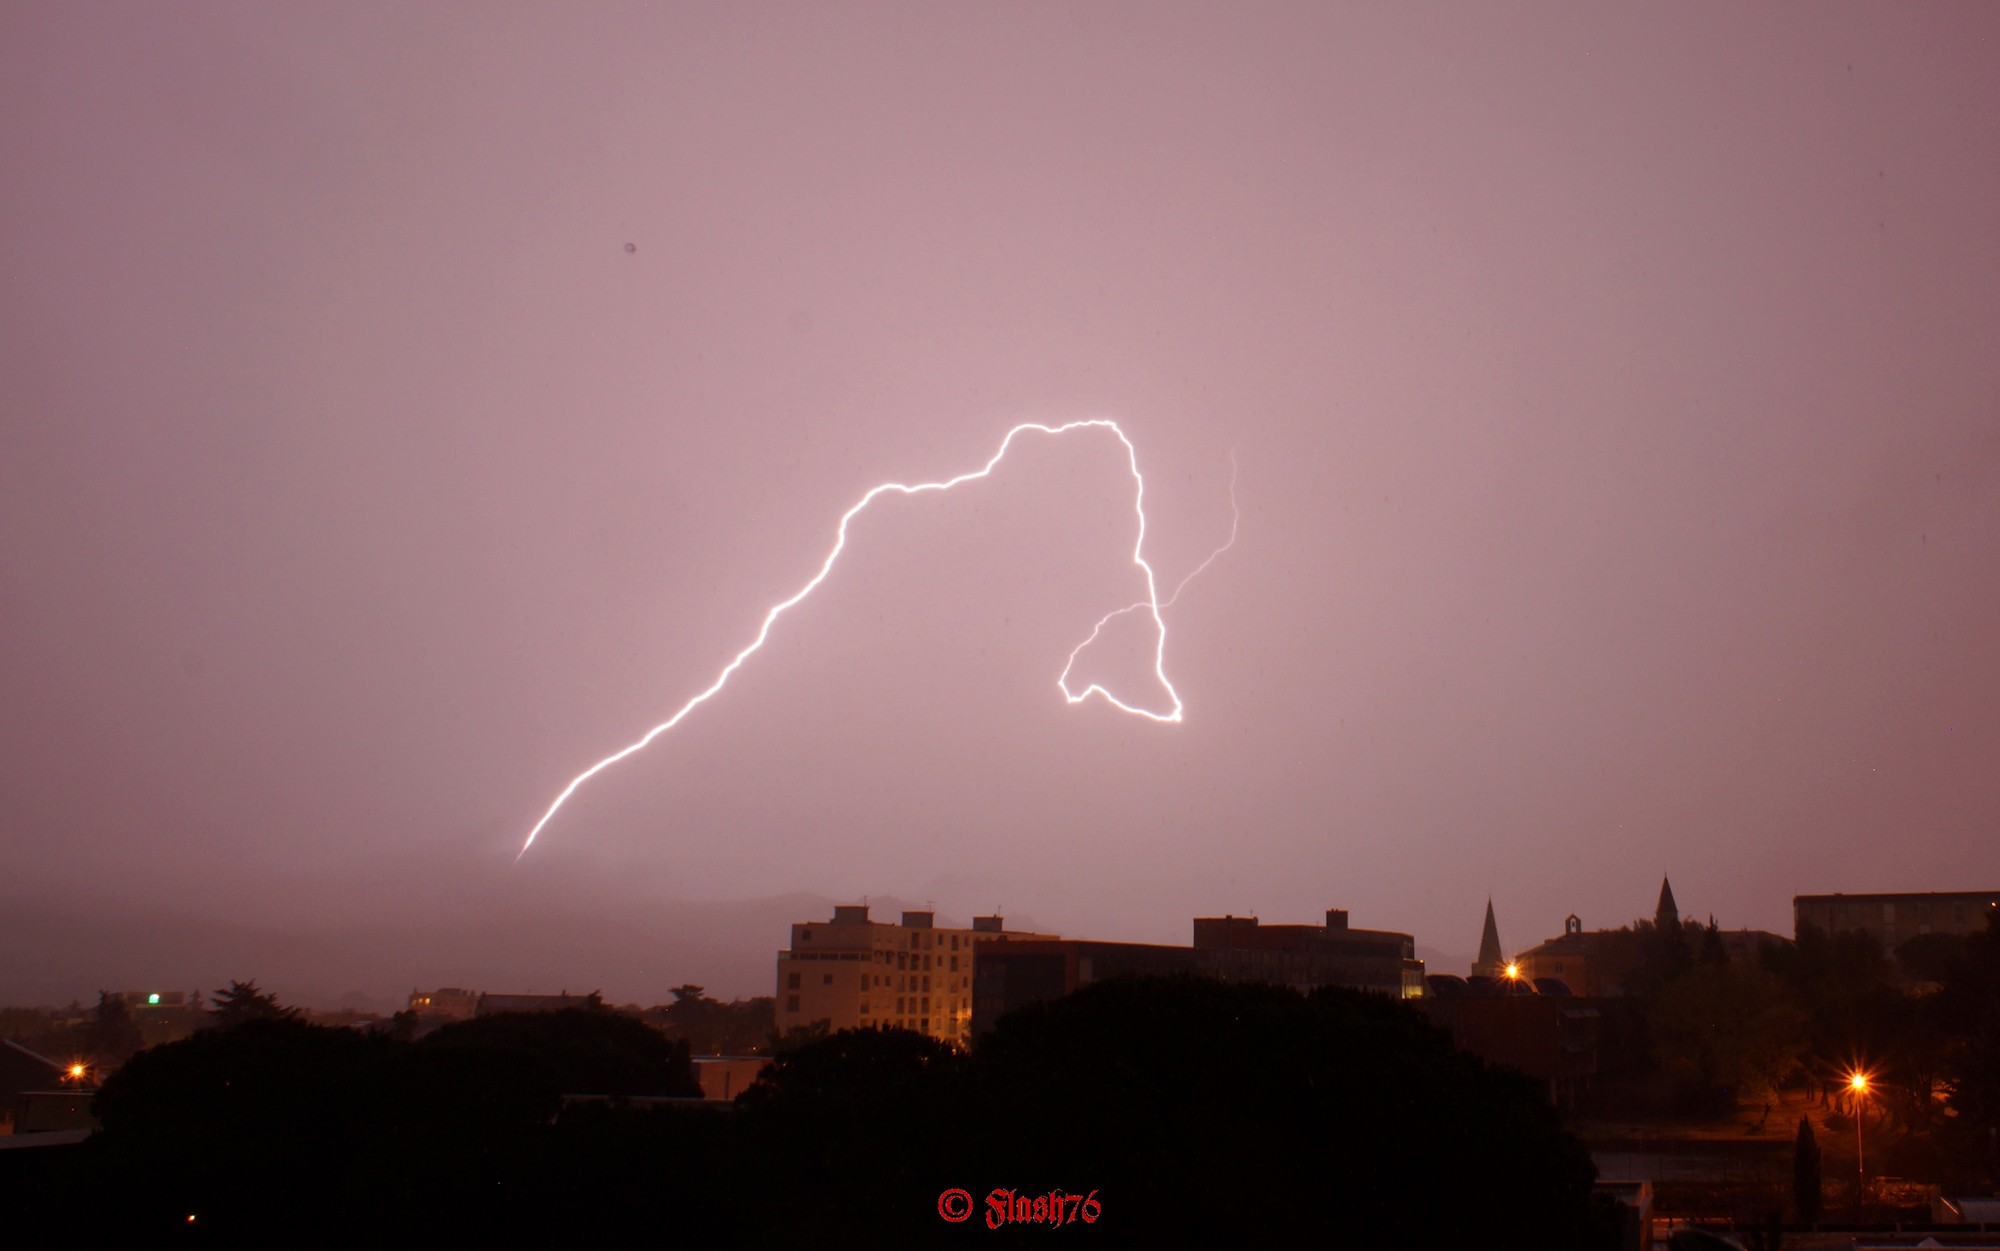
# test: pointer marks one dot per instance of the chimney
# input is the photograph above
(1336, 918)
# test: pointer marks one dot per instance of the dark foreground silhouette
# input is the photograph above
(1160, 1109)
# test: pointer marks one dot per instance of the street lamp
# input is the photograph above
(1857, 1085)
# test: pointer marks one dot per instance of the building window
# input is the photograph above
(927, 983)
(791, 981)
(899, 1007)
(954, 942)
(954, 964)
(791, 1003)
(828, 980)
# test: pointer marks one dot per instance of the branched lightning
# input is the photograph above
(1152, 603)
(1160, 645)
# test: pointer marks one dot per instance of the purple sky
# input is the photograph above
(1615, 393)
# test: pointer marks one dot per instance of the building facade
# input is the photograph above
(1897, 918)
(445, 1004)
(1239, 949)
(1015, 974)
(855, 973)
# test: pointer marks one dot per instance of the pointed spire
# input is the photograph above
(1490, 963)
(1668, 914)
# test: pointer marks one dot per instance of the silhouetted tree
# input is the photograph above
(241, 1126)
(110, 1036)
(1806, 1173)
(710, 1027)
(1930, 957)
(1165, 1092)
(1712, 950)
(1968, 1009)
(583, 1050)
(1724, 1032)
(244, 1002)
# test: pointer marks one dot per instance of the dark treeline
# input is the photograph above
(1167, 1110)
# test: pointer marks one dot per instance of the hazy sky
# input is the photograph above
(402, 407)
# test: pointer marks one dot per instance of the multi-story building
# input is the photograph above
(851, 973)
(1014, 974)
(1897, 918)
(1238, 949)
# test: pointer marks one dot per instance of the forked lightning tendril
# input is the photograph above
(1152, 603)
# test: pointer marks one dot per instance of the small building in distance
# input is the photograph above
(852, 973)
(444, 1005)
(1896, 918)
(1592, 963)
(23, 1071)
(1596, 964)
(163, 1016)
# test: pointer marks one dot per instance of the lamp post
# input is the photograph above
(1858, 1086)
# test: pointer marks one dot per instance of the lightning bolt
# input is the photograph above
(1152, 603)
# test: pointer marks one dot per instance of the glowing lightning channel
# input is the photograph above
(1152, 603)
(1160, 652)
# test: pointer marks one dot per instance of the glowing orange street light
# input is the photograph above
(1857, 1085)
(76, 1072)
(1513, 972)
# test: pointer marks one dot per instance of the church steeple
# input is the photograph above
(1490, 962)
(1667, 917)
